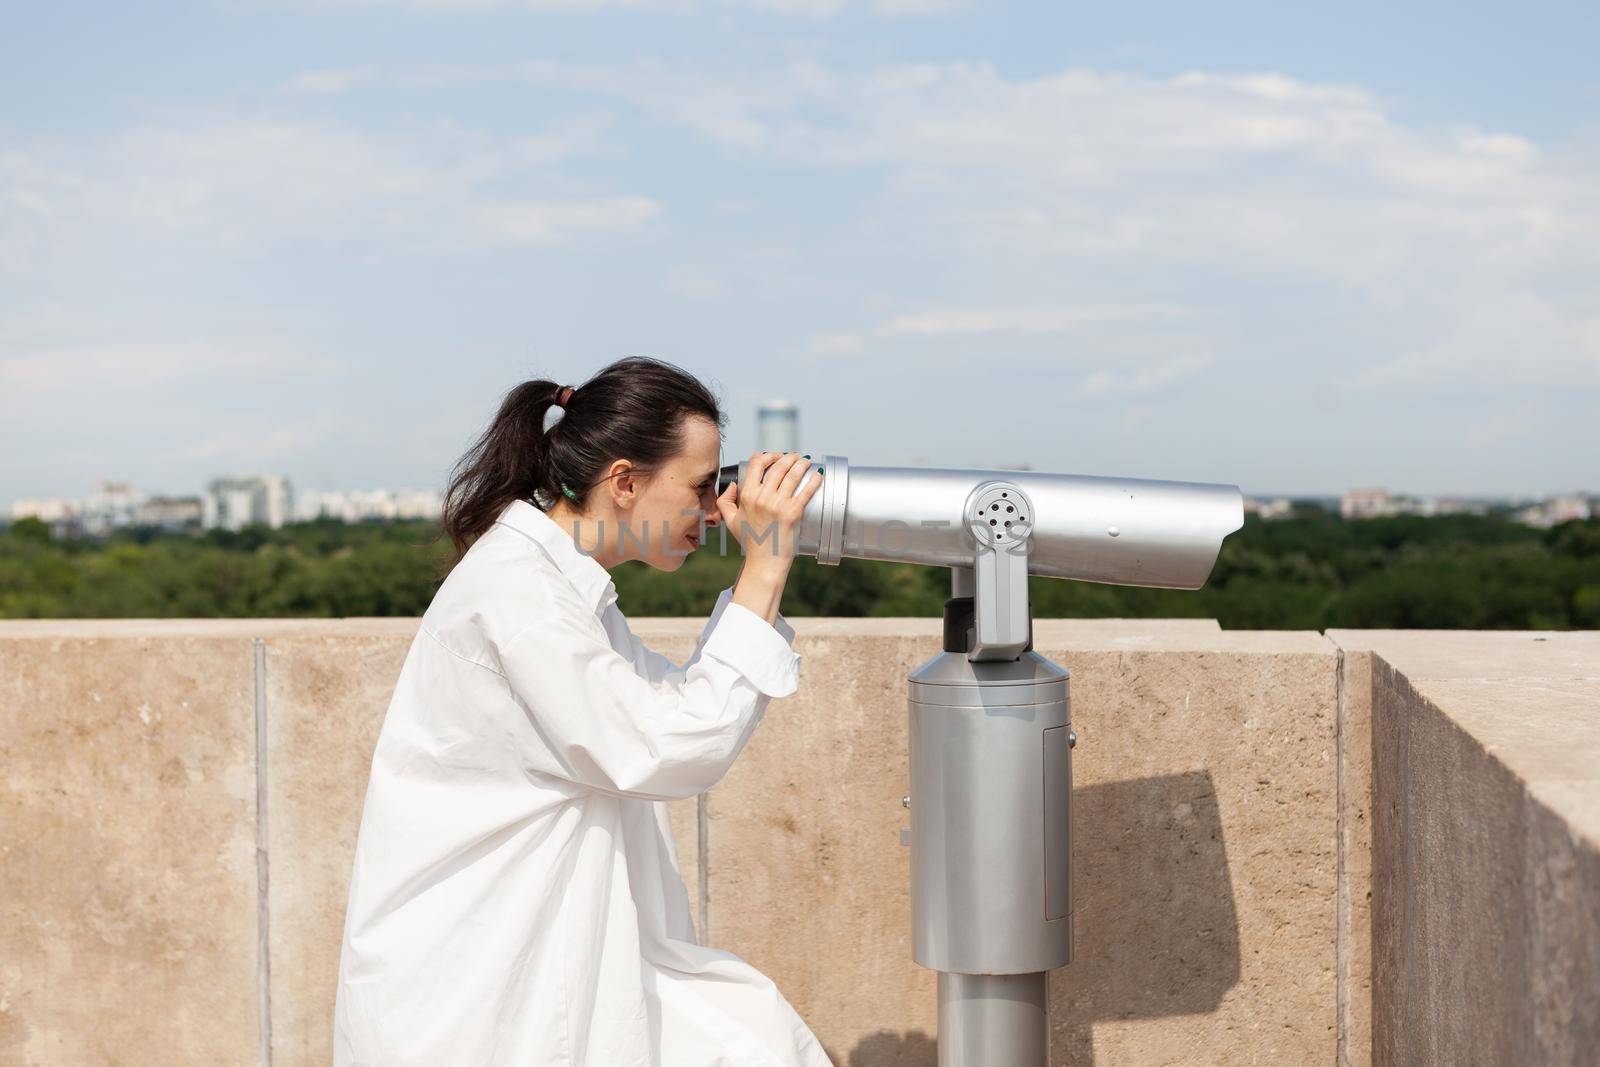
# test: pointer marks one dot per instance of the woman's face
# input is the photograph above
(679, 502)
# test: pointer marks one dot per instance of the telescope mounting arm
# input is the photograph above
(1000, 517)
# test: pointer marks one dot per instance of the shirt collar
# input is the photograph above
(591, 580)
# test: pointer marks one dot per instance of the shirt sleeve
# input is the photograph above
(592, 719)
(658, 668)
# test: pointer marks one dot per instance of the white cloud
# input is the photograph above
(918, 7)
(695, 283)
(328, 82)
(233, 180)
(1143, 380)
(1518, 338)
(836, 345)
(469, 6)
(1256, 181)
(1522, 423)
(35, 375)
(269, 439)
(801, 8)
(1094, 322)
(948, 322)
(1114, 228)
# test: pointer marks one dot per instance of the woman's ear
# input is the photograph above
(625, 483)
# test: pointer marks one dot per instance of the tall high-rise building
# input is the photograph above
(240, 500)
(778, 427)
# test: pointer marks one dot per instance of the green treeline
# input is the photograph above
(1311, 571)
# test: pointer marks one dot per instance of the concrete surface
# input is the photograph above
(1239, 799)
(325, 697)
(1353, 939)
(128, 908)
(1485, 845)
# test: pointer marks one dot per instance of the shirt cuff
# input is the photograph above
(781, 624)
(750, 645)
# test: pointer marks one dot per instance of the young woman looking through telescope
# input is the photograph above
(515, 896)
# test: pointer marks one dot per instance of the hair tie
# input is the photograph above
(563, 398)
(558, 407)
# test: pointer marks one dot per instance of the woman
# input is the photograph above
(516, 897)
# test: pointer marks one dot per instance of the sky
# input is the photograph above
(1295, 248)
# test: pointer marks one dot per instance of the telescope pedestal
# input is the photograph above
(997, 1019)
(991, 789)
(991, 766)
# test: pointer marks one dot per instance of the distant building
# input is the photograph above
(778, 427)
(368, 505)
(229, 503)
(1557, 510)
(418, 504)
(1452, 506)
(238, 501)
(174, 513)
(47, 511)
(113, 506)
(1379, 503)
(1279, 508)
(1366, 504)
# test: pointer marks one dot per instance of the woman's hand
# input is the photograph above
(765, 512)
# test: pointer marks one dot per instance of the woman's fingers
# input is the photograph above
(759, 463)
(763, 509)
(779, 469)
(809, 490)
(791, 478)
(728, 505)
(770, 502)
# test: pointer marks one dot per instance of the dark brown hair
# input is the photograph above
(633, 409)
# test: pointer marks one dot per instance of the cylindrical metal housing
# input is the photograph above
(1122, 531)
(991, 796)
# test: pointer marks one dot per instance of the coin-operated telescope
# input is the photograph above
(990, 733)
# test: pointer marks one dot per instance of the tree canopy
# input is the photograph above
(1311, 571)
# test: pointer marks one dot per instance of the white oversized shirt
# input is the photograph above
(516, 897)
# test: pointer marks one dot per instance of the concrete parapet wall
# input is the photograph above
(155, 912)
(1485, 845)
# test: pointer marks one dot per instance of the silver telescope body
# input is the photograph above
(990, 738)
(1119, 531)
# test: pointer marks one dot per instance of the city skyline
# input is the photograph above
(1353, 502)
(1299, 251)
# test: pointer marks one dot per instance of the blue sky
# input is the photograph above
(1294, 250)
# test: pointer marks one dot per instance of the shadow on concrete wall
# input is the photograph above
(889, 1049)
(1157, 930)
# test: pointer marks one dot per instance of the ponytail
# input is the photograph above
(634, 409)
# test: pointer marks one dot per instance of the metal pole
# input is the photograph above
(992, 1020)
